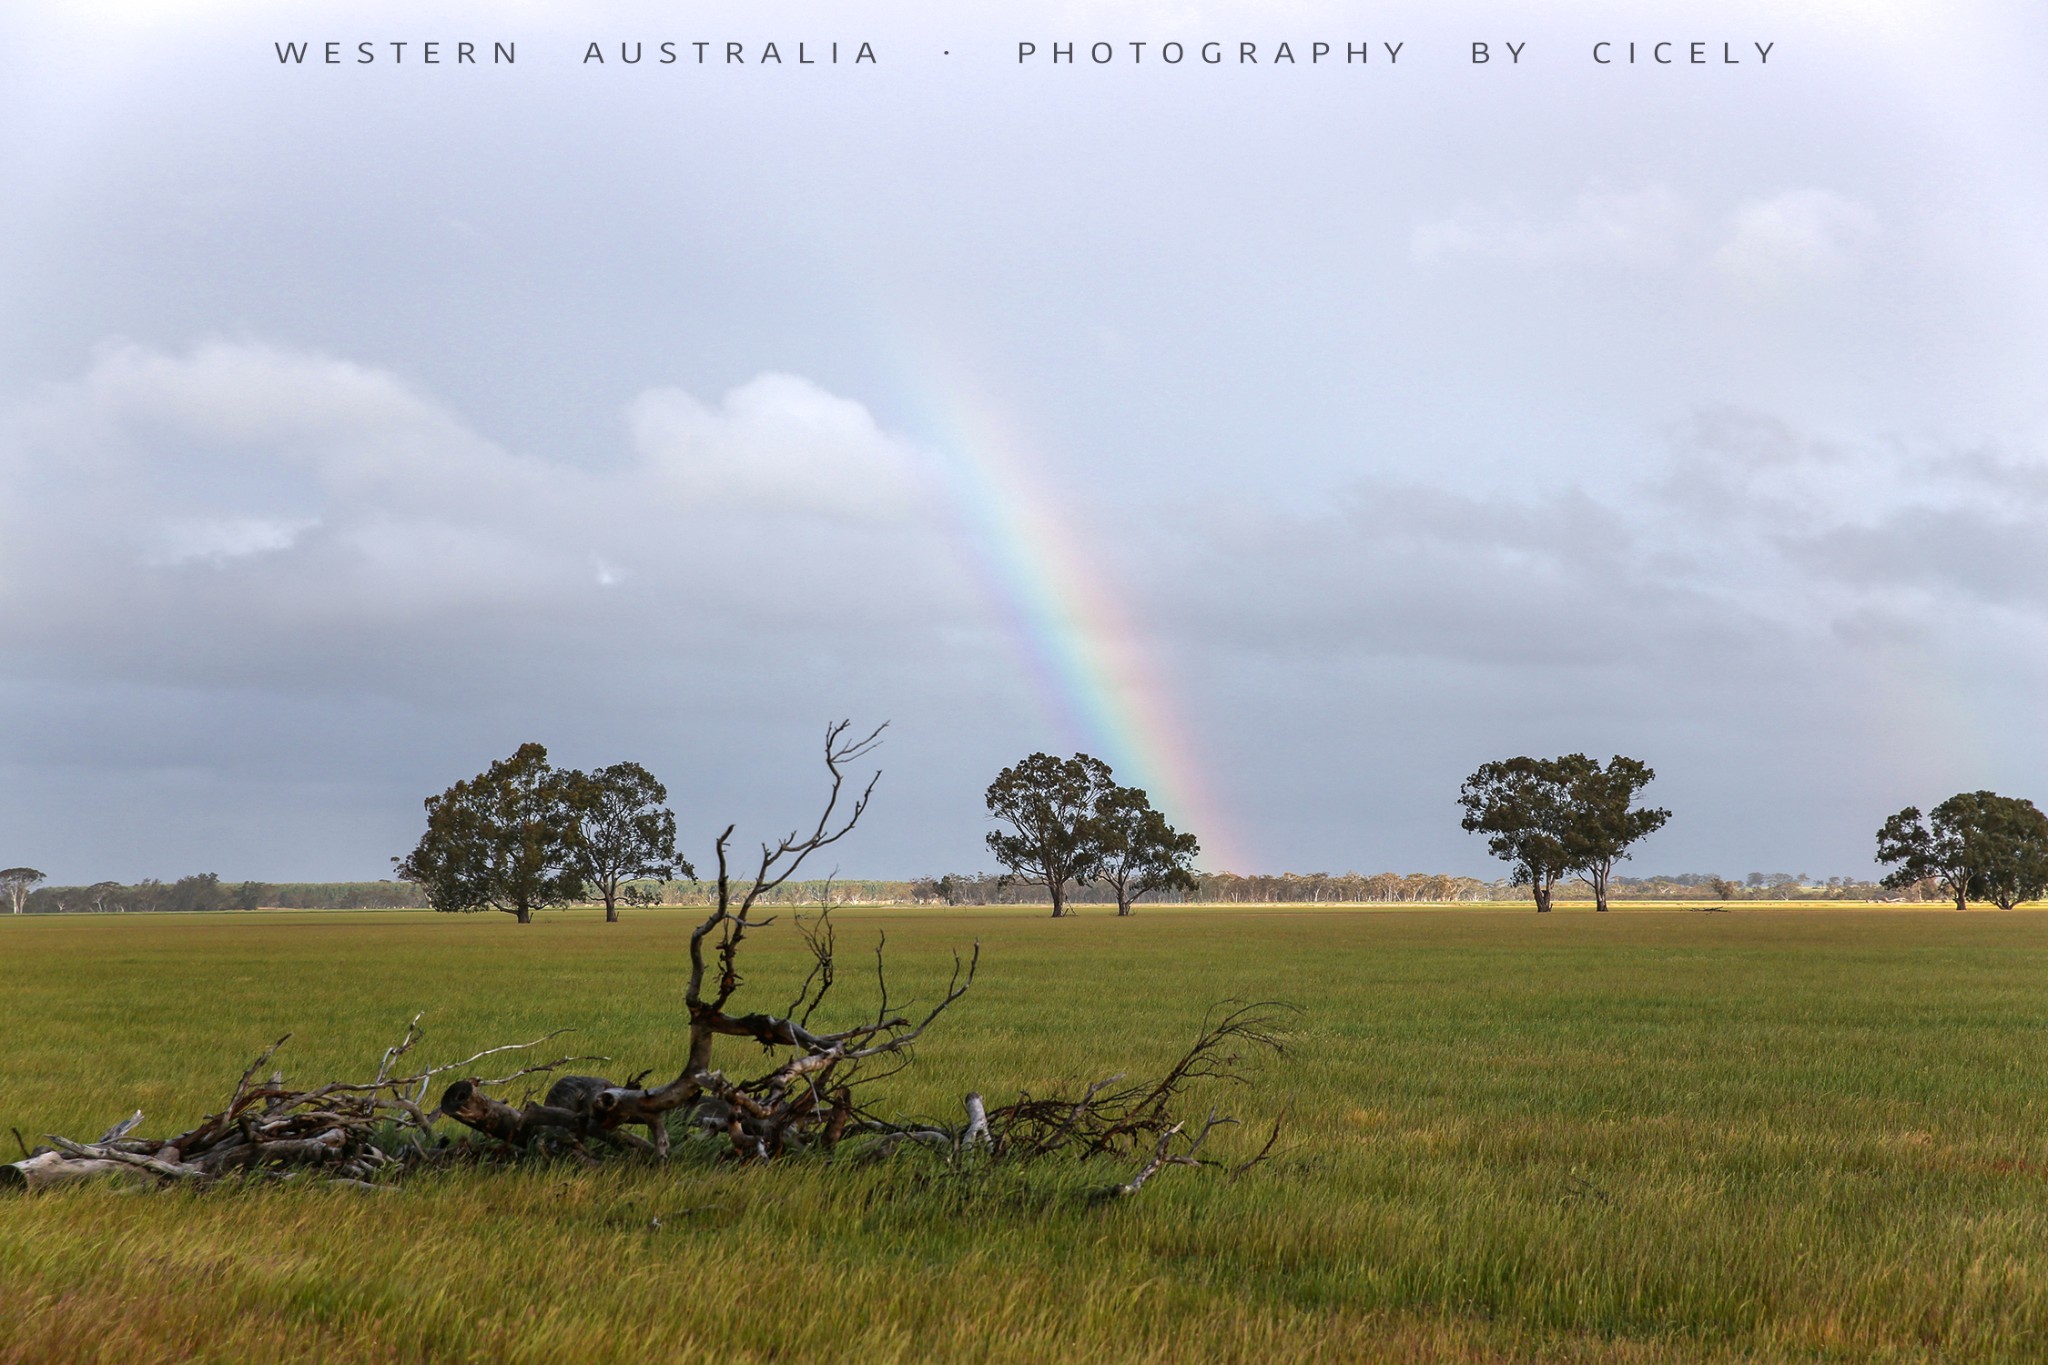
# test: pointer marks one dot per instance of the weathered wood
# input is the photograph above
(976, 1133)
(140, 1162)
(48, 1169)
(471, 1107)
(606, 1107)
(576, 1092)
(322, 1147)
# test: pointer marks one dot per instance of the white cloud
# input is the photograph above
(281, 503)
(1808, 233)
(229, 538)
(1766, 243)
(776, 443)
(1649, 226)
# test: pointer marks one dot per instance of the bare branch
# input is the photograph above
(821, 940)
(1163, 1156)
(1264, 1152)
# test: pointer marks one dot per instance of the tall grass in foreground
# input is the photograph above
(1639, 1136)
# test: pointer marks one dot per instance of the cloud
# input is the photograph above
(777, 443)
(241, 508)
(229, 538)
(1643, 227)
(268, 561)
(1745, 532)
(245, 544)
(1764, 243)
(1801, 234)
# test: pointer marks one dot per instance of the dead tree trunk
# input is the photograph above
(47, 1169)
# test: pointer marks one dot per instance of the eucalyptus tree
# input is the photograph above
(1934, 848)
(502, 840)
(1605, 821)
(1524, 808)
(1049, 805)
(1140, 852)
(1974, 845)
(621, 831)
(16, 883)
(1557, 817)
(2010, 856)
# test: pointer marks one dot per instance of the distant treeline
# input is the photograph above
(1757, 886)
(1212, 888)
(206, 891)
(1290, 888)
(1414, 888)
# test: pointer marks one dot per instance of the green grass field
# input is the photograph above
(1645, 1136)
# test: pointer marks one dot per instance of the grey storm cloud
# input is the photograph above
(1737, 532)
(359, 423)
(166, 507)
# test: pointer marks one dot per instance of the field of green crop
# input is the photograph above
(1644, 1136)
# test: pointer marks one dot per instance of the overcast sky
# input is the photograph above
(1295, 436)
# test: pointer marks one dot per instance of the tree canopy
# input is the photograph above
(16, 883)
(621, 831)
(1139, 851)
(502, 840)
(1556, 817)
(1049, 804)
(1605, 820)
(1072, 824)
(1523, 807)
(1975, 845)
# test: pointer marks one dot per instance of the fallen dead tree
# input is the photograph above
(809, 1098)
(339, 1131)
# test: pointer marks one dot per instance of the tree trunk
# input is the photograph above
(45, 1169)
(611, 905)
(1600, 889)
(1059, 899)
(1962, 895)
(522, 914)
(469, 1106)
(1542, 890)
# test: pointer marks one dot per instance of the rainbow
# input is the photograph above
(1093, 679)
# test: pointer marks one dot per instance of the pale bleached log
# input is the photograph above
(48, 1169)
(977, 1134)
(135, 1161)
